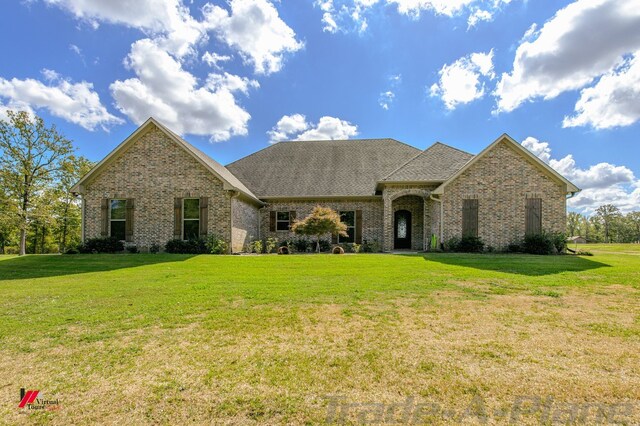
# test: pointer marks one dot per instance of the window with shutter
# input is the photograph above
(117, 219)
(470, 217)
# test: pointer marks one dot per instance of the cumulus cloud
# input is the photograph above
(614, 101)
(463, 81)
(581, 42)
(386, 98)
(256, 31)
(602, 183)
(164, 89)
(296, 127)
(76, 103)
(213, 59)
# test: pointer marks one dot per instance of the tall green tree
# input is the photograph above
(607, 215)
(321, 221)
(31, 156)
(633, 221)
(574, 220)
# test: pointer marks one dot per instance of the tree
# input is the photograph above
(573, 223)
(607, 215)
(321, 221)
(66, 208)
(633, 220)
(31, 155)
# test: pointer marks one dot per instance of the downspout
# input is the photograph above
(232, 195)
(441, 216)
(82, 208)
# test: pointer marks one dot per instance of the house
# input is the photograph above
(154, 187)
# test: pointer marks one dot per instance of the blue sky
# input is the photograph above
(234, 76)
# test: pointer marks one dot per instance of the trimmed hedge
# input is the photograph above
(102, 245)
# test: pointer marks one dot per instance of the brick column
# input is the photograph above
(387, 223)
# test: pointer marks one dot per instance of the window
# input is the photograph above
(190, 218)
(533, 220)
(117, 218)
(282, 221)
(349, 219)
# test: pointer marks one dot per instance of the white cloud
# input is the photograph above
(614, 101)
(256, 31)
(460, 82)
(386, 98)
(583, 41)
(296, 127)
(477, 16)
(439, 7)
(76, 103)
(165, 90)
(213, 59)
(602, 183)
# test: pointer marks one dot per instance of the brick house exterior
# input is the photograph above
(155, 187)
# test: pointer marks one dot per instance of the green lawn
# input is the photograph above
(173, 339)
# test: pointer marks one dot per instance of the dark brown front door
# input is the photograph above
(402, 229)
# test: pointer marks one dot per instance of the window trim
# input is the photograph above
(288, 221)
(124, 200)
(348, 226)
(185, 219)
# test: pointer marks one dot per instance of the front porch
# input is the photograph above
(408, 218)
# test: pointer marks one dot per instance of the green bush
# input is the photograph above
(178, 246)
(216, 245)
(255, 246)
(559, 241)
(371, 246)
(515, 247)
(354, 247)
(325, 245)
(270, 245)
(102, 245)
(301, 245)
(538, 244)
(71, 250)
(154, 248)
(133, 249)
(466, 244)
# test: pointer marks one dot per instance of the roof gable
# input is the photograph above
(528, 155)
(330, 168)
(435, 164)
(229, 181)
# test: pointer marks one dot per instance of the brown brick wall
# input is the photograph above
(245, 224)
(501, 181)
(153, 171)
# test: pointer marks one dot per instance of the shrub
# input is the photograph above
(325, 245)
(255, 246)
(514, 247)
(451, 244)
(132, 249)
(194, 246)
(216, 245)
(559, 241)
(354, 248)
(372, 246)
(154, 248)
(470, 245)
(270, 244)
(337, 250)
(71, 251)
(301, 245)
(102, 245)
(538, 244)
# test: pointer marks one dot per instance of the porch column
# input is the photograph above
(387, 225)
(426, 224)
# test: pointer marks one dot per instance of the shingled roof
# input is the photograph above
(435, 164)
(321, 168)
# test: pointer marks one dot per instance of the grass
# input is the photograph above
(172, 339)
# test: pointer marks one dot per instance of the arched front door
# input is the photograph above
(402, 229)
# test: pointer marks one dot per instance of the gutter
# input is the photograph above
(441, 216)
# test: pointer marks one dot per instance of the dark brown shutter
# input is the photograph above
(533, 213)
(272, 221)
(358, 226)
(470, 217)
(177, 218)
(204, 216)
(292, 218)
(128, 224)
(104, 217)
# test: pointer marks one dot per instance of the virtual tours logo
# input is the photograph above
(34, 400)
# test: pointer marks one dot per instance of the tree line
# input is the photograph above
(606, 225)
(38, 167)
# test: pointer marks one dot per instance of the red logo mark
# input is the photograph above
(28, 398)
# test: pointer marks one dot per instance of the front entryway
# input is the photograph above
(402, 229)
